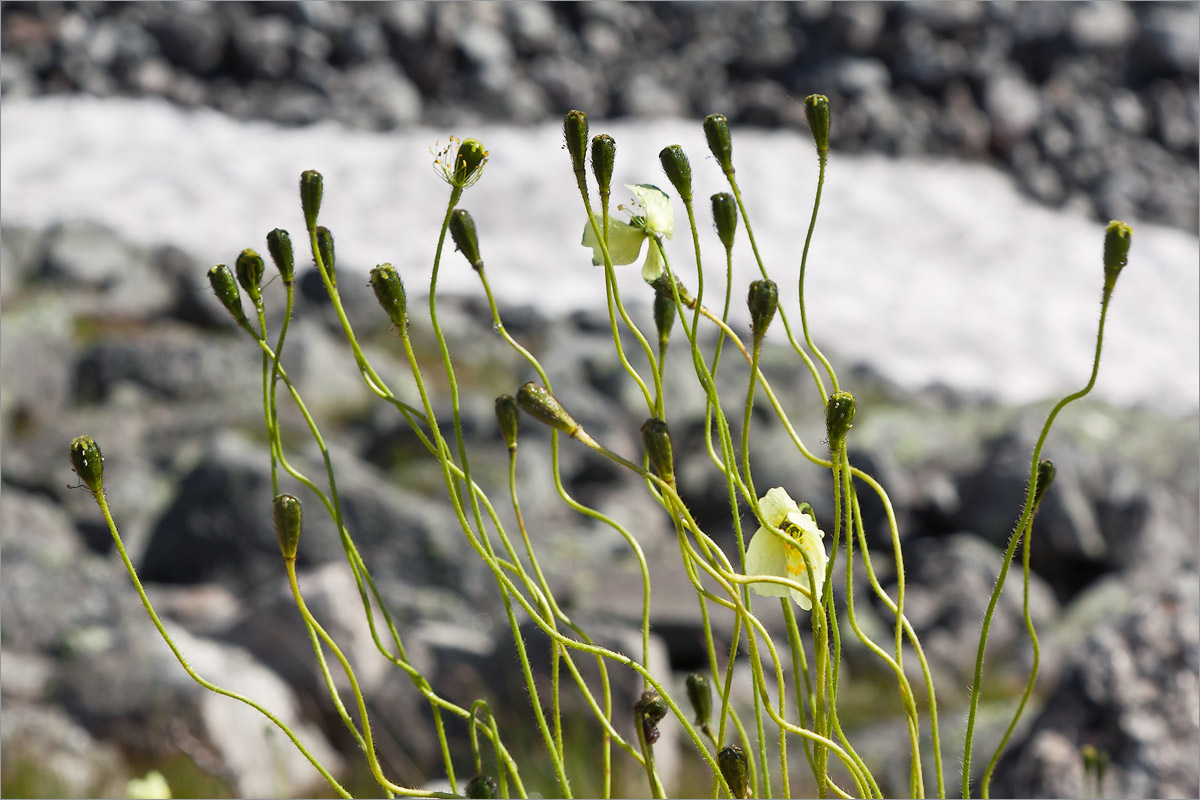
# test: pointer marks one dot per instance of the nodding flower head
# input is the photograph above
(651, 216)
(459, 163)
(781, 554)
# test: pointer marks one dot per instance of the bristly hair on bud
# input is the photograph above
(763, 301)
(675, 164)
(650, 710)
(839, 416)
(225, 286)
(656, 438)
(311, 189)
(287, 512)
(536, 401)
(506, 420)
(389, 291)
(249, 266)
(482, 786)
(279, 245)
(725, 217)
(575, 129)
(459, 163)
(716, 131)
(462, 230)
(325, 250)
(816, 108)
(88, 463)
(604, 155)
(732, 762)
(1117, 238)
(1045, 476)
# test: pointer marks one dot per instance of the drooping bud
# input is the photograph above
(734, 768)
(468, 163)
(287, 514)
(716, 130)
(1045, 476)
(679, 170)
(649, 711)
(88, 463)
(700, 696)
(1117, 238)
(249, 267)
(506, 419)
(325, 250)
(662, 285)
(839, 415)
(462, 230)
(279, 245)
(311, 188)
(664, 312)
(816, 108)
(724, 210)
(575, 127)
(482, 786)
(536, 401)
(656, 438)
(763, 301)
(604, 154)
(224, 284)
(389, 291)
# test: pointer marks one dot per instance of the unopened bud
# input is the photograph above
(506, 419)
(1117, 238)
(716, 130)
(1045, 476)
(664, 312)
(839, 415)
(763, 301)
(311, 188)
(468, 164)
(224, 284)
(735, 769)
(678, 170)
(650, 710)
(462, 230)
(389, 291)
(325, 250)
(725, 217)
(279, 245)
(662, 285)
(816, 108)
(482, 786)
(249, 267)
(604, 153)
(287, 524)
(536, 401)
(575, 128)
(700, 696)
(656, 438)
(88, 463)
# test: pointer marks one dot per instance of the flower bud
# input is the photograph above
(839, 414)
(724, 210)
(575, 127)
(468, 164)
(1117, 238)
(325, 249)
(389, 291)
(482, 786)
(311, 188)
(536, 401)
(763, 301)
(662, 285)
(506, 419)
(462, 230)
(249, 267)
(735, 770)
(678, 170)
(604, 153)
(716, 130)
(287, 524)
(1045, 476)
(664, 312)
(656, 438)
(279, 245)
(700, 696)
(649, 711)
(88, 463)
(223, 283)
(816, 108)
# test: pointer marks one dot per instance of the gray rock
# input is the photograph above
(89, 256)
(61, 756)
(1013, 107)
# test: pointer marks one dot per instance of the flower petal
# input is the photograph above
(624, 242)
(654, 267)
(660, 218)
(767, 555)
(775, 506)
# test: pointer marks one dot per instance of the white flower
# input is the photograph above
(625, 238)
(780, 556)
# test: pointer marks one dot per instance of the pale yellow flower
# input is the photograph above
(651, 218)
(770, 553)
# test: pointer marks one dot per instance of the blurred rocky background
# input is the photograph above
(1091, 107)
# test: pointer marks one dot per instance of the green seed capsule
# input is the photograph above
(279, 245)
(249, 267)
(700, 696)
(88, 463)
(725, 217)
(1045, 476)
(325, 249)
(1117, 238)
(311, 189)
(462, 230)
(716, 130)
(735, 770)
(482, 786)
(678, 170)
(468, 163)
(224, 284)
(506, 419)
(839, 415)
(575, 128)
(763, 301)
(604, 154)
(389, 291)
(287, 514)
(656, 438)
(816, 108)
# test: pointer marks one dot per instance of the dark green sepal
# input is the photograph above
(88, 463)
(675, 164)
(656, 438)
(536, 401)
(575, 128)
(763, 300)
(839, 417)
(389, 291)
(311, 189)
(483, 786)
(716, 131)
(1045, 476)
(249, 266)
(604, 155)
(725, 217)
(1117, 239)
(507, 419)
(325, 249)
(287, 513)
(225, 286)
(699, 694)
(816, 108)
(279, 245)
(735, 769)
(462, 230)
